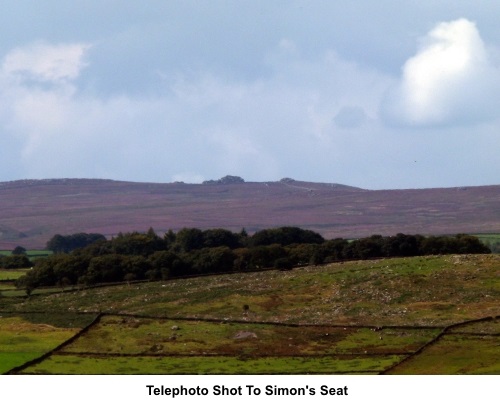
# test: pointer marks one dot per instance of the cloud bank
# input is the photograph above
(451, 80)
(308, 115)
(46, 62)
(198, 127)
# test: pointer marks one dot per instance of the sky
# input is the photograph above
(381, 95)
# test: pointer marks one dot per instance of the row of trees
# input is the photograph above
(15, 261)
(65, 244)
(186, 240)
(191, 251)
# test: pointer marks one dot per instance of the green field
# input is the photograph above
(474, 349)
(362, 317)
(7, 286)
(21, 340)
(32, 254)
(11, 274)
(492, 240)
(178, 347)
(209, 365)
(130, 335)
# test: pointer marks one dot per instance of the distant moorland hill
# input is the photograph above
(32, 211)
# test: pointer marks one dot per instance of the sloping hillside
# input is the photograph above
(32, 211)
(420, 315)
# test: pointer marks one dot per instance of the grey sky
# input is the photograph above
(387, 94)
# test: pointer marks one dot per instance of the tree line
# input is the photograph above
(15, 261)
(191, 251)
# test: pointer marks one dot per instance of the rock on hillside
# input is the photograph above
(226, 180)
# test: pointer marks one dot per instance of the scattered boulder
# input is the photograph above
(244, 334)
(156, 348)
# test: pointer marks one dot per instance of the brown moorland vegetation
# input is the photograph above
(35, 210)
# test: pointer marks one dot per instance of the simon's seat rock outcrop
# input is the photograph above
(226, 180)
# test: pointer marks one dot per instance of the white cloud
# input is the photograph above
(451, 79)
(46, 62)
(307, 117)
(37, 93)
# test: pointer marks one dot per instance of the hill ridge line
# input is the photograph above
(35, 210)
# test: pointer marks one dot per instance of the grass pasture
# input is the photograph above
(470, 349)
(427, 291)
(7, 279)
(10, 275)
(7, 289)
(64, 364)
(22, 340)
(32, 254)
(365, 317)
(130, 335)
(129, 345)
(492, 240)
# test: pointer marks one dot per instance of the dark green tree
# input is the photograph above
(19, 250)
(284, 236)
(138, 244)
(65, 244)
(104, 269)
(161, 264)
(211, 260)
(220, 237)
(188, 239)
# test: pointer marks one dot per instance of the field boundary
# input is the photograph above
(271, 323)
(445, 331)
(32, 362)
